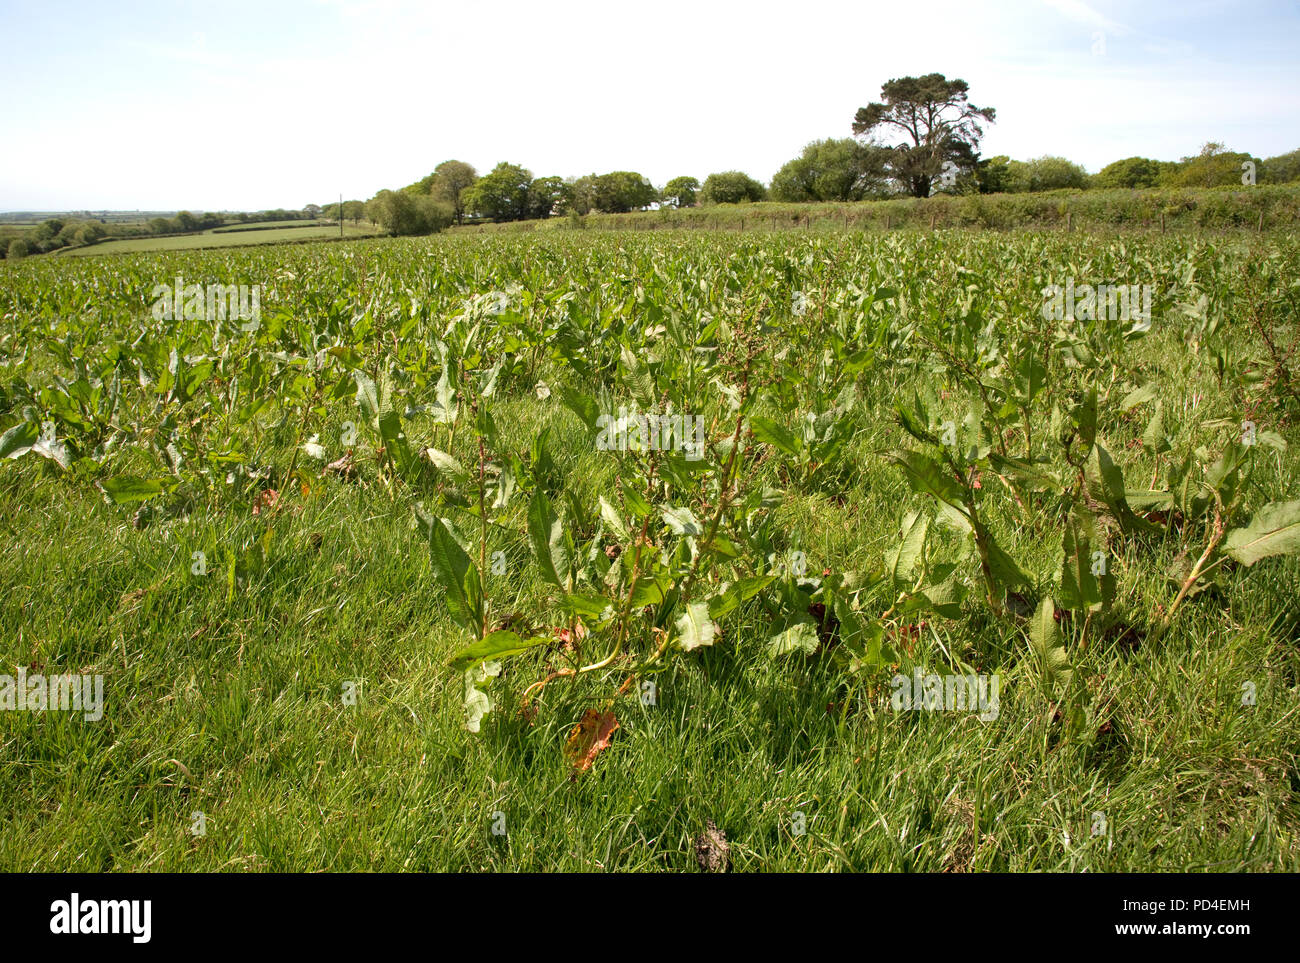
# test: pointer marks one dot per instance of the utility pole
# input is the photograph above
(340, 215)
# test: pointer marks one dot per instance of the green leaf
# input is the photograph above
(493, 646)
(681, 521)
(1106, 483)
(367, 396)
(1005, 569)
(447, 465)
(634, 502)
(945, 598)
(587, 606)
(1051, 661)
(778, 436)
(1080, 587)
(915, 420)
(799, 637)
(731, 596)
(1138, 396)
(584, 406)
(614, 521)
(125, 489)
(1153, 438)
(458, 577)
(902, 560)
(650, 590)
(477, 702)
(1274, 530)
(1085, 416)
(549, 540)
(694, 627)
(926, 476)
(19, 439)
(54, 450)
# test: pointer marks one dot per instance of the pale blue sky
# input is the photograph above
(249, 105)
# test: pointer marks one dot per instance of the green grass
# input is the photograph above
(232, 706)
(214, 239)
(263, 226)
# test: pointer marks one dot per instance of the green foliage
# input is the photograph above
(1282, 169)
(1133, 172)
(731, 187)
(1214, 166)
(502, 195)
(833, 170)
(937, 126)
(401, 213)
(681, 192)
(448, 183)
(1044, 174)
(772, 586)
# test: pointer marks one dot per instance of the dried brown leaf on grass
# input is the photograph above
(588, 738)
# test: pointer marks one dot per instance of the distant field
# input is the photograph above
(189, 242)
(263, 226)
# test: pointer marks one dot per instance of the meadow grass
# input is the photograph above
(215, 239)
(229, 703)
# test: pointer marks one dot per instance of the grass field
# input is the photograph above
(907, 466)
(264, 226)
(214, 239)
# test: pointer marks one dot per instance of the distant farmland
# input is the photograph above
(219, 237)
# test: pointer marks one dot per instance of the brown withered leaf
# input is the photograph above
(712, 851)
(589, 737)
(343, 467)
(267, 499)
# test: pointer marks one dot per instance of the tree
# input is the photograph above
(17, 249)
(312, 211)
(448, 182)
(1214, 166)
(833, 170)
(992, 175)
(1132, 172)
(354, 210)
(547, 196)
(401, 213)
(186, 221)
(1044, 174)
(939, 126)
(731, 187)
(622, 191)
(501, 195)
(680, 192)
(1281, 169)
(582, 194)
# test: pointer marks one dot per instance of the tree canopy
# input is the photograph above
(731, 187)
(937, 125)
(833, 170)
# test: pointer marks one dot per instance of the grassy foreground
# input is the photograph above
(224, 690)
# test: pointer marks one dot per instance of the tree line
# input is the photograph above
(921, 138)
(59, 232)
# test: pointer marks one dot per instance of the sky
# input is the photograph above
(237, 105)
